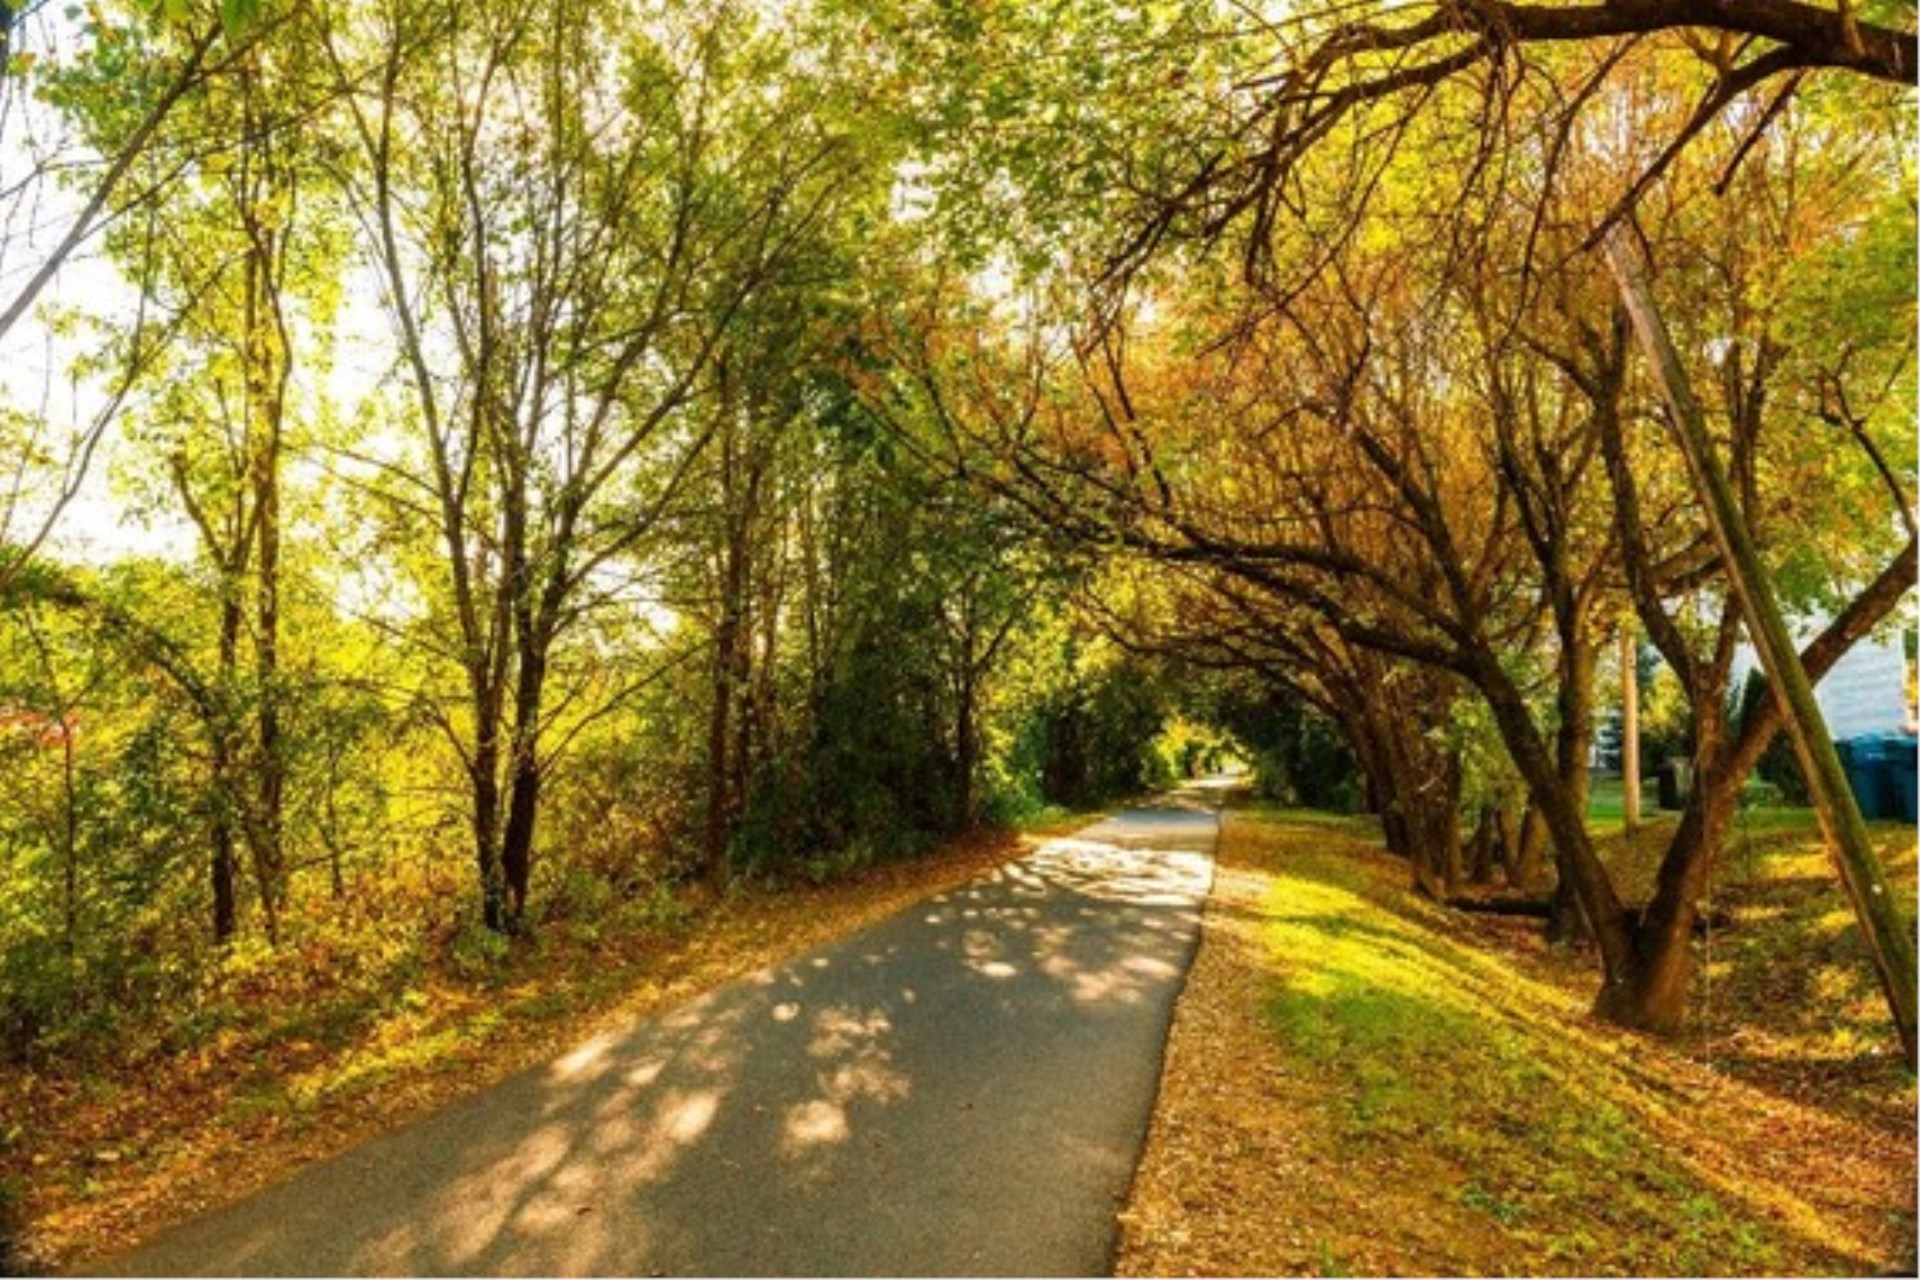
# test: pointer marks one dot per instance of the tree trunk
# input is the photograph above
(270, 796)
(330, 832)
(1528, 864)
(1573, 740)
(1630, 725)
(224, 791)
(1357, 729)
(69, 839)
(967, 751)
(1426, 789)
(760, 737)
(516, 841)
(1446, 821)
(1564, 814)
(1480, 848)
(523, 780)
(729, 674)
(226, 913)
(1652, 993)
(733, 632)
(1889, 937)
(1566, 922)
(486, 835)
(268, 368)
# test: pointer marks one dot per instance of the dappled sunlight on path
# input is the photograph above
(959, 1089)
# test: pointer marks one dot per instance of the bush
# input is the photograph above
(1094, 739)
(1777, 767)
(1757, 793)
(1298, 757)
(475, 951)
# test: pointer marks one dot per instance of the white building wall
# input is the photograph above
(1865, 692)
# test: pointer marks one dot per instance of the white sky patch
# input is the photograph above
(913, 197)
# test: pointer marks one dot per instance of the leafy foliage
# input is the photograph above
(582, 459)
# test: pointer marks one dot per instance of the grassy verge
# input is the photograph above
(303, 1064)
(1056, 820)
(1786, 996)
(1607, 808)
(1362, 1082)
(1607, 800)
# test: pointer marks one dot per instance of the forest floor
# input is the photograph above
(1362, 1082)
(93, 1161)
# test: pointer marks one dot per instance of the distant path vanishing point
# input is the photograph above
(961, 1089)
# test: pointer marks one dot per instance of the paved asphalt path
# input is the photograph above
(962, 1089)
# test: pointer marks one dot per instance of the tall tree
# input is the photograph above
(88, 102)
(568, 209)
(1341, 131)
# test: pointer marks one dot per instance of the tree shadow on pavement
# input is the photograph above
(961, 1089)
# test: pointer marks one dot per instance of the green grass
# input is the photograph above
(1052, 819)
(1358, 826)
(1436, 1046)
(1755, 819)
(1607, 807)
(1607, 803)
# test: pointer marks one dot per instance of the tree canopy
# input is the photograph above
(591, 453)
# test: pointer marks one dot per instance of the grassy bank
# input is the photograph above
(1360, 1082)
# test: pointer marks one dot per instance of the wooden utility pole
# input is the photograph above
(1889, 937)
(1630, 723)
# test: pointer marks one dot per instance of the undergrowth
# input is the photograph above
(291, 1052)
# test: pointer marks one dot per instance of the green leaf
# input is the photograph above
(237, 15)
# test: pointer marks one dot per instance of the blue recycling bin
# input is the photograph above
(1901, 761)
(1873, 765)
